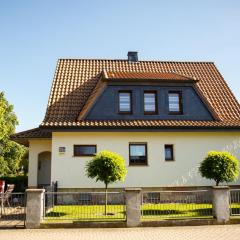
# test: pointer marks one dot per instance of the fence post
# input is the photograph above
(34, 207)
(221, 203)
(133, 205)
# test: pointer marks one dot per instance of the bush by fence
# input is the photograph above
(20, 182)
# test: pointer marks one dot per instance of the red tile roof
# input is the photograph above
(147, 76)
(76, 79)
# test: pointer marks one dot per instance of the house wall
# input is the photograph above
(189, 149)
(36, 147)
(106, 107)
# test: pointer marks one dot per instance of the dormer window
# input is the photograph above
(125, 102)
(175, 102)
(150, 102)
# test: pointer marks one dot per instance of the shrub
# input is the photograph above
(220, 166)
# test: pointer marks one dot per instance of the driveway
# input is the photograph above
(172, 233)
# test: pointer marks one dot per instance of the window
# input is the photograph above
(169, 153)
(85, 150)
(125, 102)
(175, 102)
(150, 102)
(137, 154)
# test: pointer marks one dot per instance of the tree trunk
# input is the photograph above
(106, 199)
(217, 182)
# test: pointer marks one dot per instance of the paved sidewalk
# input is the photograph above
(231, 232)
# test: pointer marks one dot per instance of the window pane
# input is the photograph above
(137, 150)
(125, 102)
(138, 154)
(150, 102)
(168, 152)
(82, 150)
(174, 102)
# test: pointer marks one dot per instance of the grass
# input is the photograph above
(117, 212)
(86, 213)
(176, 211)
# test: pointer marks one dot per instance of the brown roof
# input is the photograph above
(99, 88)
(75, 80)
(146, 124)
(22, 137)
(147, 76)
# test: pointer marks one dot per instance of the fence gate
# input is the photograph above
(12, 210)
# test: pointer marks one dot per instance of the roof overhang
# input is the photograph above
(35, 133)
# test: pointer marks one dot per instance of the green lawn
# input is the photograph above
(176, 211)
(117, 212)
(86, 213)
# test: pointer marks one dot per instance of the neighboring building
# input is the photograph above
(162, 117)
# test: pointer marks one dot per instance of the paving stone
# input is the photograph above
(219, 232)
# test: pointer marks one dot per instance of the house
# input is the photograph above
(162, 117)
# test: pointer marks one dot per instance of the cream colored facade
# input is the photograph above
(189, 150)
(35, 148)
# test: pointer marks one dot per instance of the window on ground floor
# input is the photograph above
(85, 150)
(137, 153)
(169, 152)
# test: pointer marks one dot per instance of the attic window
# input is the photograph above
(175, 102)
(125, 102)
(150, 102)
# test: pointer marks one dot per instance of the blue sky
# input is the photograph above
(34, 34)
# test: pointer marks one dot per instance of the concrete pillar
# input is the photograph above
(133, 204)
(221, 203)
(34, 207)
(32, 167)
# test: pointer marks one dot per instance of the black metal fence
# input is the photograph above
(12, 210)
(84, 206)
(176, 204)
(235, 202)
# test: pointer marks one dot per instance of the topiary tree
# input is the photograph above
(107, 167)
(220, 166)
